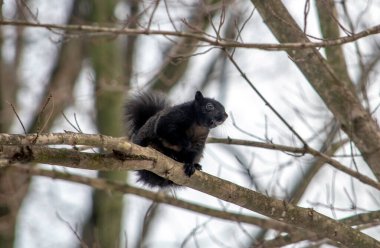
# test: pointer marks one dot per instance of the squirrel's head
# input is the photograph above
(210, 113)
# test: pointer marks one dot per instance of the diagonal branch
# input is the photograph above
(163, 166)
(363, 219)
(338, 97)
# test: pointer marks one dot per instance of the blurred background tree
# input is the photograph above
(69, 78)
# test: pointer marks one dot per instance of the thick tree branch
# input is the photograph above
(136, 153)
(361, 220)
(163, 166)
(74, 159)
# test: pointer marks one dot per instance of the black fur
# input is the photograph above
(179, 132)
(141, 107)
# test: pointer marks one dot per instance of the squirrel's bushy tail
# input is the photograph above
(140, 107)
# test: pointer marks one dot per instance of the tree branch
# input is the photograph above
(160, 197)
(135, 153)
(338, 97)
(165, 167)
(359, 220)
(325, 158)
(213, 41)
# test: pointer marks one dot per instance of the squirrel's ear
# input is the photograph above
(198, 96)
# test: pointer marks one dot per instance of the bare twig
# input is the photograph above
(75, 232)
(41, 113)
(334, 163)
(264, 99)
(156, 3)
(305, 15)
(18, 118)
(76, 128)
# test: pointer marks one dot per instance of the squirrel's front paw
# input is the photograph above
(189, 169)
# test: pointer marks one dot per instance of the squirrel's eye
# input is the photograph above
(209, 107)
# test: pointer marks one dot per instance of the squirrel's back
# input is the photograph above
(140, 107)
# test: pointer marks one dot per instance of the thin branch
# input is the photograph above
(263, 99)
(346, 107)
(18, 118)
(202, 37)
(75, 232)
(153, 12)
(40, 114)
(306, 11)
(271, 146)
(76, 128)
(362, 219)
(334, 163)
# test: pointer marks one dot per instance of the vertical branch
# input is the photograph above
(328, 23)
(104, 226)
(130, 44)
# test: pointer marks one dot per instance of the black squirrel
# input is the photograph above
(178, 131)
